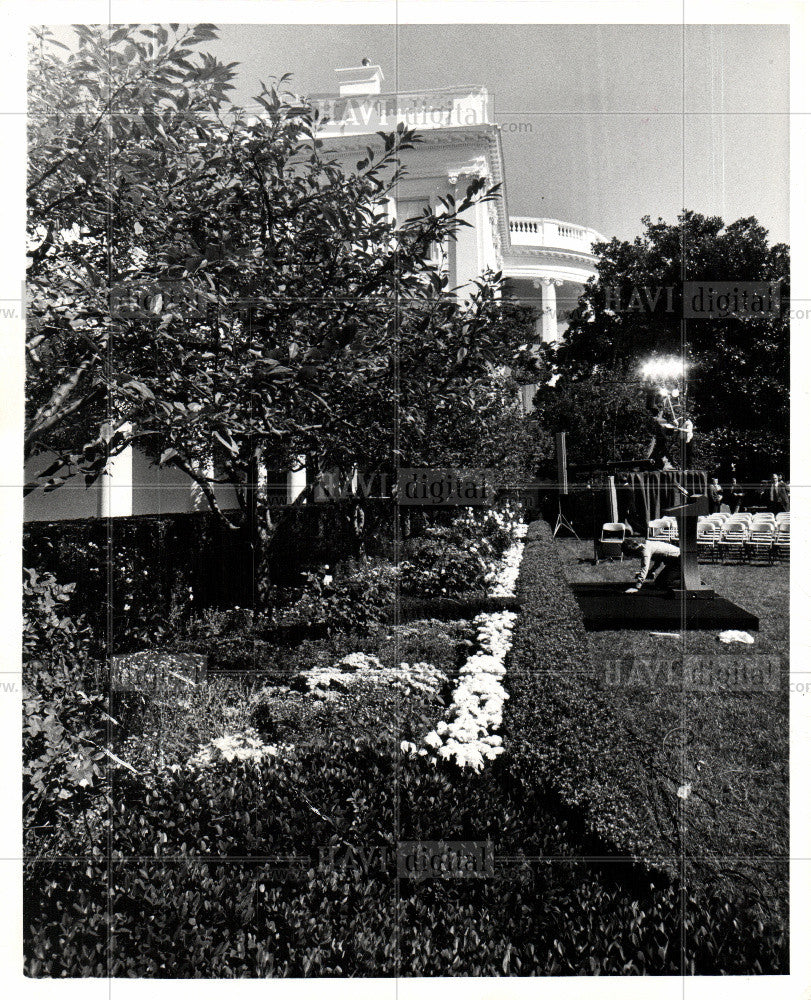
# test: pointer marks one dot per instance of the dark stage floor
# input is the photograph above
(607, 606)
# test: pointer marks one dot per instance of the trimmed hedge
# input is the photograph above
(453, 608)
(558, 729)
(288, 868)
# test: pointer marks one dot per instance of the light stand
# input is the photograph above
(563, 522)
(563, 486)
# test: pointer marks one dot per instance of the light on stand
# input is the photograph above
(663, 373)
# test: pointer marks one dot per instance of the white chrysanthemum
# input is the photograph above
(433, 740)
(225, 749)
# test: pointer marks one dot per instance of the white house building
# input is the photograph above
(546, 261)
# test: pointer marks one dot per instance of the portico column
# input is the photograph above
(549, 309)
(297, 479)
(466, 254)
(115, 483)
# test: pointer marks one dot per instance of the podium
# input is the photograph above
(687, 515)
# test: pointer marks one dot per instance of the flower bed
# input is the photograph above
(468, 735)
(309, 778)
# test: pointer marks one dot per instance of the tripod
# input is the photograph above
(563, 522)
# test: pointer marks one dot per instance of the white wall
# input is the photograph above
(138, 487)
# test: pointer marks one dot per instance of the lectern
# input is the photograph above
(687, 515)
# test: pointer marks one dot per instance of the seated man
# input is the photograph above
(653, 553)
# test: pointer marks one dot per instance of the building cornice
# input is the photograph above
(526, 255)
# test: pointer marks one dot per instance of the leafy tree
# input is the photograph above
(206, 282)
(103, 121)
(738, 367)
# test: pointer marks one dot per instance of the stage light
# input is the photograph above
(663, 372)
(663, 369)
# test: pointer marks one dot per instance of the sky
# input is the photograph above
(593, 126)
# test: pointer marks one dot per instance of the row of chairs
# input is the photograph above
(666, 529)
(745, 536)
(749, 537)
(749, 517)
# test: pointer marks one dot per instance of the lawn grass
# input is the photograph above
(727, 749)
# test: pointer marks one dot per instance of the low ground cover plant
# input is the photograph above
(319, 898)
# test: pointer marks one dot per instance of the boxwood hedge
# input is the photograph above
(558, 729)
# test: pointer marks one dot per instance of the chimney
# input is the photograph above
(363, 79)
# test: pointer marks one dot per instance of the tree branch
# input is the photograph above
(207, 489)
(54, 411)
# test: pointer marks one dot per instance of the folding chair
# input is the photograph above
(709, 535)
(782, 541)
(761, 540)
(657, 528)
(734, 537)
(611, 539)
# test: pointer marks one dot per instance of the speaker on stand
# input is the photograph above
(563, 486)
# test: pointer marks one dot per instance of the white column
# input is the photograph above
(206, 469)
(550, 309)
(466, 254)
(115, 483)
(297, 479)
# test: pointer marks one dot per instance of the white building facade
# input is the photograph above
(546, 261)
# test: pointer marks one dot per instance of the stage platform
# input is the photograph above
(607, 606)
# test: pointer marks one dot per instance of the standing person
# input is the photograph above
(653, 553)
(776, 494)
(782, 494)
(716, 495)
(686, 431)
(736, 493)
(659, 447)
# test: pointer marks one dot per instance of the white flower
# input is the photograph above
(434, 740)
(239, 746)
(466, 735)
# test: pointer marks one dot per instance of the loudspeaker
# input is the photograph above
(563, 472)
